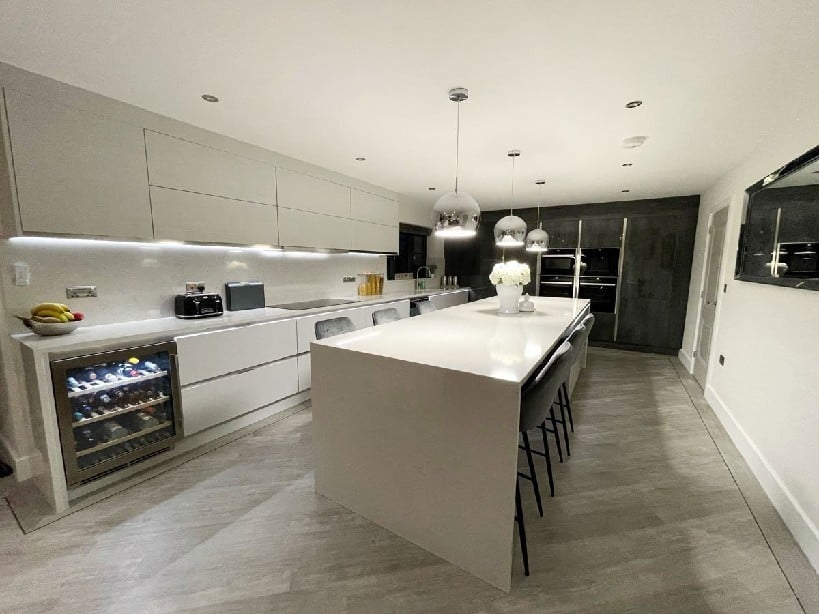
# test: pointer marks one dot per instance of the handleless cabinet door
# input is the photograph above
(306, 229)
(77, 173)
(187, 216)
(373, 237)
(207, 355)
(601, 232)
(372, 208)
(306, 193)
(562, 232)
(449, 299)
(175, 163)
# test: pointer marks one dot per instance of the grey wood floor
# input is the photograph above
(647, 518)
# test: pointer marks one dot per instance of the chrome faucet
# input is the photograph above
(418, 281)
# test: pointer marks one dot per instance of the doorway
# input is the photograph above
(710, 293)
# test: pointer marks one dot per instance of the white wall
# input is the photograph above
(766, 393)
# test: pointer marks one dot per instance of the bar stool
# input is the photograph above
(384, 316)
(425, 307)
(538, 395)
(578, 338)
(333, 326)
(537, 405)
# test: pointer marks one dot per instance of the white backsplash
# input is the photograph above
(136, 281)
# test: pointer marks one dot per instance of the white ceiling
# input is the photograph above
(328, 80)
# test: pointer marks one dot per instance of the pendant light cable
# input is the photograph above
(457, 145)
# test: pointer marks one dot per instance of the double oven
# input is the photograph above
(589, 273)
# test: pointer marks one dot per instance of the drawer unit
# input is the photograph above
(304, 371)
(306, 326)
(450, 299)
(207, 355)
(215, 401)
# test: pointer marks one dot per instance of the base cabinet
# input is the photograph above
(212, 402)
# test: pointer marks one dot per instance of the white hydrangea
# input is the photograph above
(511, 273)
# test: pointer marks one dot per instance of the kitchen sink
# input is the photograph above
(322, 302)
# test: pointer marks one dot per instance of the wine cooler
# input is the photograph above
(116, 408)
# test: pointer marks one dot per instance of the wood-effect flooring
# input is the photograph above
(647, 517)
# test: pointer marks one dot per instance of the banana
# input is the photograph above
(57, 307)
(47, 319)
(50, 313)
(69, 315)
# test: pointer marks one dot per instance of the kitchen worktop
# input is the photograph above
(123, 334)
(472, 338)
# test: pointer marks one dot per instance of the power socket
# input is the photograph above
(348, 279)
(81, 292)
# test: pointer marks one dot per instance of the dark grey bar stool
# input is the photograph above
(334, 326)
(578, 338)
(384, 316)
(537, 398)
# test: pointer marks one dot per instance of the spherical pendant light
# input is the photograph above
(538, 239)
(456, 213)
(510, 231)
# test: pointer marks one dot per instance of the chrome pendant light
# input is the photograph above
(510, 229)
(456, 213)
(538, 239)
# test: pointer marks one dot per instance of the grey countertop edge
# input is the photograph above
(156, 330)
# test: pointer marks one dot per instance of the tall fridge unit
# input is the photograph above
(116, 408)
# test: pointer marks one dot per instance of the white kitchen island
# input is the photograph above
(416, 424)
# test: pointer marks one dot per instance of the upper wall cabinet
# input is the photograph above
(174, 163)
(188, 216)
(306, 229)
(562, 232)
(306, 193)
(368, 237)
(372, 208)
(601, 232)
(77, 173)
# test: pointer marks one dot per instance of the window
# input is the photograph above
(412, 252)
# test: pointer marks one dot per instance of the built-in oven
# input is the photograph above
(599, 261)
(557, 285)
(559, 261)
(601, 291)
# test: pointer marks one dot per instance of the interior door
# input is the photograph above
(710, 292)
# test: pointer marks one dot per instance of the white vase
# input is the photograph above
(508, 298)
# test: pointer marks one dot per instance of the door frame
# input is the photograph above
(724, 205)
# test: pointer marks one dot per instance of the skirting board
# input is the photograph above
(804, 531)
(686, 359)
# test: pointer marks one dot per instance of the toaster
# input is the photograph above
(198, 305)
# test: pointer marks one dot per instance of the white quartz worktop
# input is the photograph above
(472, 338)
(123, 334)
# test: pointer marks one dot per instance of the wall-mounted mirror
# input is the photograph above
(779, 241)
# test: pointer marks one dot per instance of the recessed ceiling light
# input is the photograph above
(626, 164)
(625, 191)
(360, 159)
(633, 141)
(209, 98)
(432, 189)
(633, 104)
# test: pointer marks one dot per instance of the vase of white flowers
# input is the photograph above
(509, 279)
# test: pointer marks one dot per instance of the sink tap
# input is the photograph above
(419, 285)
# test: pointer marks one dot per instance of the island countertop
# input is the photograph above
(472, 338)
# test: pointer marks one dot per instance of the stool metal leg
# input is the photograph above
(554, 431)
(532, 473)
(548, 459)
(563, 421)
(568, 405)
(521, 528)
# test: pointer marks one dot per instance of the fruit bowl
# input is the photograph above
(48, 329)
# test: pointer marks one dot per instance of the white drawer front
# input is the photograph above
(304, 371)
(403, 308)
(368, 207)
(306, 193)
(450, 299)
(207, 355)
(215, 401)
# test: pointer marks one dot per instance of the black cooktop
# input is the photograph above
(322, 302)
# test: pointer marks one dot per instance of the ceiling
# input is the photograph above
(328, 81)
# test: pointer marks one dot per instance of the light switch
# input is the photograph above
(22, 274)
